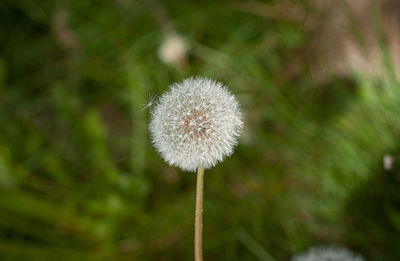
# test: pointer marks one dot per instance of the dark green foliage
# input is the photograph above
(79, 179)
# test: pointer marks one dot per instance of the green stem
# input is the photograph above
(198, 221)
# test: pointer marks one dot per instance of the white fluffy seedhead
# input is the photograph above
(196, 123)
(327, 254)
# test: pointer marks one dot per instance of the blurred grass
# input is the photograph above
(80, 180)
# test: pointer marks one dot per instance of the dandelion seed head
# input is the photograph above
(388, 162)
(173, 50)
(196, 123)
(327, 254)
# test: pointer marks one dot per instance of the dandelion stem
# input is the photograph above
(198, 221)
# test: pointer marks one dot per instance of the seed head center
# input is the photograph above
(196, 123)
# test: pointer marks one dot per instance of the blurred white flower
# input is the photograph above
(196, 123)
(327, 254)
(388, 162)
(173, 50)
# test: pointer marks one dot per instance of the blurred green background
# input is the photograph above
(80, 180)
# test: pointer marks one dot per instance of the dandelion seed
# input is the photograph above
(151, 102)
(327, 254)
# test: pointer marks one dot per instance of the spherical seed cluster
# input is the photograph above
(327, 254)
(196, 123)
